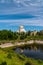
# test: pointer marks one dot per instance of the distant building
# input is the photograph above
(21, 29)
(33, 33)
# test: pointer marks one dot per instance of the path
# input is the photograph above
(20, 43)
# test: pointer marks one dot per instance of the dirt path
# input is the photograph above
(21, 43)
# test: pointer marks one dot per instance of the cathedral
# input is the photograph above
(21, 29)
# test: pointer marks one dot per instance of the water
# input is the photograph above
(30, 53)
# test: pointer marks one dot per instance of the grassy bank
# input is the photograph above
(8, 57)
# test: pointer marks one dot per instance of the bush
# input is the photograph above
(9, 56)
(29, 63)
(21, 57)
(3, 63)
(39, 61)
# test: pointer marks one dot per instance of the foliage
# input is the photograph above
(10, 35)
(28, 63)
(3, 63)
(9, 55)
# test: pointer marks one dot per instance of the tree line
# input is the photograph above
(10, 35)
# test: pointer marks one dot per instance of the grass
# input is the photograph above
(12, 58)
(34, 37)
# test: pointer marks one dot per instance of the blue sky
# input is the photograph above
(21, 12)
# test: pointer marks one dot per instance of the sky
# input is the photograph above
(14, 13)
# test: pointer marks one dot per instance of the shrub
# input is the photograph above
(29, 63)
(39, 61)
(3, 63)
(9, 56)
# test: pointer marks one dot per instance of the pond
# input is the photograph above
(36, 54)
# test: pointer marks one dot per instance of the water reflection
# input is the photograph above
(36, 54)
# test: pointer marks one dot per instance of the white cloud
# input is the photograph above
(23, 22)
(34, 7)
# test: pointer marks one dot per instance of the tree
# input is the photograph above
(23, 36)
(28, 33)
(15, 35)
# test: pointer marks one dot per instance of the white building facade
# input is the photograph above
(21, 29)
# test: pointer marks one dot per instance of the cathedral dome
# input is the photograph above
(21, 29)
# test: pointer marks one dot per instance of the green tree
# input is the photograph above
(23, 36)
